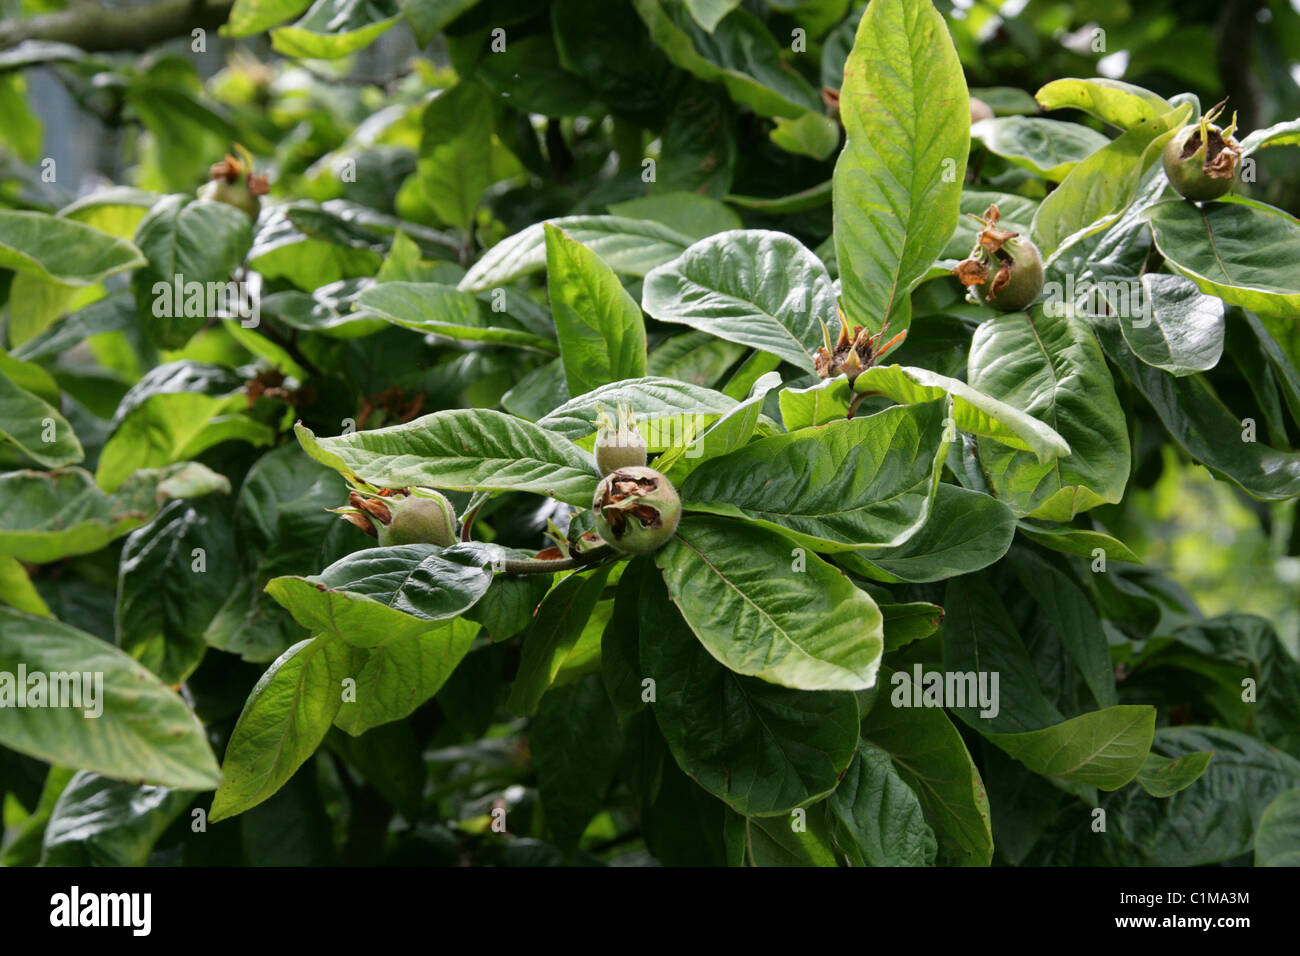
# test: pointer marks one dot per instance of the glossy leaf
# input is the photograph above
(864, 483)
(898, 180)
(1050, 148)
(628, 246)
(762, 609)
(36, 428)
(879, 819)
(1246, 253)
(601, 332)
(129, 727)
(1111, 101)
(1052, 368)
(933, 761)
(62, 250)
(752, 287)
(462, 449)
(1105, 749)
(443, 310)
(283, 721)
(761, 749)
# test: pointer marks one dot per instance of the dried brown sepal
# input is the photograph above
(360, 521)
(831, 97)
(971, 272)
(376, 509)
(228, 169)
(258, 185)
(1000, 281)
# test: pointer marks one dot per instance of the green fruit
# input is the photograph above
(637, 509)
(427, 518)
(218, 190)
(618, 446)
(1023, 266)
(1200, 161)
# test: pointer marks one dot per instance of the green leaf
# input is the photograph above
(1165, 776)
(965, 531)
(761, 749)
(62, 250)
(1050, 148)
(876, 815)
(283, 721)
(335, 28)
(141, 730)
(1111, 101)
(765, 609)
(628, 246)
(36, 428)
(932, 760)
(459, 154)
(1212, 821)
(728, 433)
(1080, 541)
(898, 180)
(812, 134)
(443, 310)
(1181, 331)
(173, 426)
(753, 287)
(251, 17)
(1200, 423)
(1100, 188)
(45, 516)
(471, 449)
(378, 595)
(708, 13)
(24, 132)
(17, 590)
(667, 411)
(687, 213)
(1277, 839)
(1052, 368)
(1246, 253)
(601, 332)
(428, 17)
(905, 623)
(576, 744)
(1105, 749)
(1285, 133)
(103, 822)
(972, 410)
(190, 243)
(740, 53)
(1066, 613)
(404, 672)
(770, 842)
(552, 637)
(864, 483)
(694, 357)
(983, 643)
(173, 576)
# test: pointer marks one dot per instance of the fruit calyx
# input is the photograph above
(637, 509)
(1019, 276)
(852, 354)
(1201, 159)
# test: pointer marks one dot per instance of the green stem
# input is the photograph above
(579, 560)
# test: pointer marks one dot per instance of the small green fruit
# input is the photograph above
(1004, 269)
(1201, 159)
(637, 509)
(237, 195)
(426, 518)
(618, 446)
(1024, 276)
